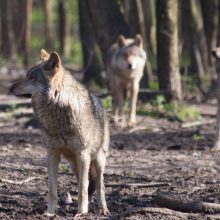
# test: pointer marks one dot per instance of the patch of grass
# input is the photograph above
(107, 103)
(198, 137)
(10, 111)
(154, 85)
(188, 113)
(160, 108)
(64, 168)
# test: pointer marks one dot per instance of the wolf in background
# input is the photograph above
(73, 124)
(125, 64)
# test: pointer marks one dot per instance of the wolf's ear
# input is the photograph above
(138, 40)
(44, 55)
(53, 64)
(216, 52)
(121, 41)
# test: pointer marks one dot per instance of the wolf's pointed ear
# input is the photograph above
(44, 55)
(138, 40)
(54, 63)
(121, 41)
(216, 52)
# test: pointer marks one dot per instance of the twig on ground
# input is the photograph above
(197, 123)
(13, 197)
(143, 185)
(178, 203)
(21, 181)
(154, 210)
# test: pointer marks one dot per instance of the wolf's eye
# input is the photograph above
(32, 78)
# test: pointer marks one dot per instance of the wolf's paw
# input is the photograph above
(216, 148)
(50, 215)
(104, 211)
(131, 124)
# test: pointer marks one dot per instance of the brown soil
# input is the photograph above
(157, 150)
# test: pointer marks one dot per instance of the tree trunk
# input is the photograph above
(63, 28)
(210, 12)
(27, 30)
(48, 11)
(167, 48)
(108, 23)
(89, 46)
(8, 43)
(198, 45)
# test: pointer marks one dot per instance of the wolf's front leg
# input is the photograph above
(53, 161)
(83, 166)
(133, 104)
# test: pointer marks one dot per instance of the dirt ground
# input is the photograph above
(156, 151)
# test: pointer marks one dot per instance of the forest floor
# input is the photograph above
(157, 156)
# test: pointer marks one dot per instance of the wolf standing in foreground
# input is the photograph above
(74, 124)
(125, 64)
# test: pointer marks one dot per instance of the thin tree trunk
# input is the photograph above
(141, 23)
(8, 43)
(48, 10)
(27, 30)
(89, 46)
(197, 41)
(63, 28)
(167, 48)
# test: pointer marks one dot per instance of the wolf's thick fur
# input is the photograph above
(74, 124)
(216, 54)
(125, 65)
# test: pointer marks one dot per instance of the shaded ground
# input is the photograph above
(158, 150)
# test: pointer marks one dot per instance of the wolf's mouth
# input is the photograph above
(23, 95)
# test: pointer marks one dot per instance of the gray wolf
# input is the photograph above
(125, 64)
(73, 124)
(216, 54)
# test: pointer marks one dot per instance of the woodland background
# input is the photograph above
(178, 37)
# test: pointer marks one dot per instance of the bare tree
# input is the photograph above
(167, 48)
(89, 45)
(27, 30)
(63, 28)
(48, 11)
(8, 43)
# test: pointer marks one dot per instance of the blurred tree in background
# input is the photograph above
(178, 37)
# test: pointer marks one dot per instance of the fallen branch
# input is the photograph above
(178, 203)
(13, 197)
(21, 181)
(197, 123)
(143, 185)
(154, 210)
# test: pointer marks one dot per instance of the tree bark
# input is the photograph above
(63, 28)
(27, 30)
(89, 46)
(48, 11)
(167, 48)
(8, 43)
(108, 23)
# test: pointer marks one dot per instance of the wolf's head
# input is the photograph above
(39, 77)
(131, 54)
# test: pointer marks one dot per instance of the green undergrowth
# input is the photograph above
(160, 108)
